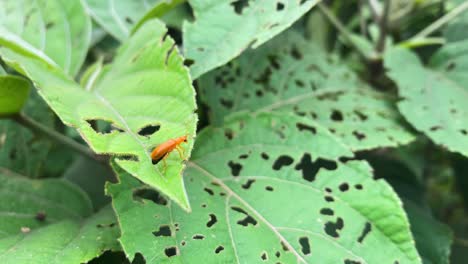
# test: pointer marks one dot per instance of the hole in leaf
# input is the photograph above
(138, 258)
(365, 231)
(41, 216)
(278, 254)
(451, 66)
(247, 220)
(198, 237)
(305, 246)
(183, 243)
(188, 62)
(329, 198)
(102, 126)
(248, 184)
(226, 103)
(358, 186)
(350, 261)
(279, 6)
(170, 251)
(344, 187)
(243, 156)
(235, 168)
(310, 169)
(148, 130)
(326, 211)
(299, 83)
(265, 156)
(332, 228)
(435, 128)
(149, 194)
(208, 190)
(269, 188)
(336, 116)
(164, 230)
(295, 53)
(264, 256)
(311, 129)
(281, 161)
(361, 116)
(219, 249)
(129, 157)
(212, 220)
(359, 136)
(239, 6)
(228, 133)
(273, 59)
(464, 132)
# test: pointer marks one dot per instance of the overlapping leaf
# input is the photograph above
(434, 99)
(36, 203)
(292, 74)
(14, 91)
(145, 95)
(119, 16)
(223, 29)
(68, 241)
(58, 29)
(268, 188)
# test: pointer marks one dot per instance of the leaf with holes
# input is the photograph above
(118, 17)
(68, 241)
(142, 99)
(434, 98)
(292, 74)
(223, 29)
(275, 188)
(14, 91)
(57, 31)
(37, 203)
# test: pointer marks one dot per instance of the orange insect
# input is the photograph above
(162, 151)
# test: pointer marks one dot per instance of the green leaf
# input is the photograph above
(293, 75)
(223, 29)
(434, 99)
(147, 88)
(2, 71)
(14, 92)
(58, 30)
(22, 151)
(36, 203)
(456, 28)
(264, 189)
(118, 17)
(68, 241)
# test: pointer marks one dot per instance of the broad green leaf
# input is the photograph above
(68, 241)
(119, 17)
(223, 29)
(293, 75)
(55, 30)
(36, 203)
(268, 188)
(20, 149)
(14, 92)
(456, 28)
(2, 71)
(145, 95)
(434, 99)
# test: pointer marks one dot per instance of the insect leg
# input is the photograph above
(181, 151)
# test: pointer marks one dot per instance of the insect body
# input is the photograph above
(162, 151)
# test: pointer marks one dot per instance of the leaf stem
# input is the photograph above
(340, 27)
(383, 19)
(441, 21)
(55, 136)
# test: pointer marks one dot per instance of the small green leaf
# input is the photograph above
(118, 17)
(434, 99)
(37, 203)
(68, 241)
(293, 75)
(56, 30)
(268, 188)
(223, 29)
(145, 97)
(14, 92)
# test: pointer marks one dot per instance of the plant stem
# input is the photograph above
(441, 21)
(340, 27)
(54, 136)
(383, 19)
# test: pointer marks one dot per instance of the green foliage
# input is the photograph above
(434, 98)
(59, 29)
(236, 25)
(293, 75)
(149, 63)
(340, 140)
(254, 199)
(13, 94)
